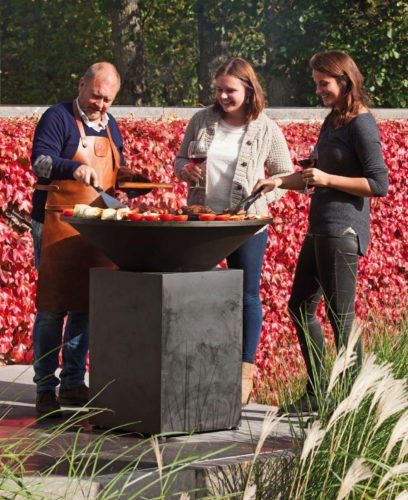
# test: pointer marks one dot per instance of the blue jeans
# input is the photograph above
(48, 336)
(249, 257)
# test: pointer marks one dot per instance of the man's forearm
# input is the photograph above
(50, 167)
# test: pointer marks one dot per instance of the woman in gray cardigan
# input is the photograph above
(350, 169)
(240, 141)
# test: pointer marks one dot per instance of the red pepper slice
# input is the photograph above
(207, 217)
(151, 217)
(166, 217)
(135, 216)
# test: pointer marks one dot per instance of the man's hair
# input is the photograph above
(92, 71)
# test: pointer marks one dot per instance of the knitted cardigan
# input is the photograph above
(263, 145)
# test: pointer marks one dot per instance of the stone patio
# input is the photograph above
(205, 465)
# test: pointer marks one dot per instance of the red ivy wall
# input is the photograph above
(151, 147)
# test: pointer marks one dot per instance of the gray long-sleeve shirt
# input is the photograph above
(353, 150)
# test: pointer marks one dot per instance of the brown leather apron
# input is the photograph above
(66, 257)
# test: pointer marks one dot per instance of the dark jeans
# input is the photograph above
(249, 257)
(47, 339)
(326, 266)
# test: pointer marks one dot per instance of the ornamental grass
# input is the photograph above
(357, 445)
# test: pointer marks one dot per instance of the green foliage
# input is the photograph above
(170, 34)
(47, 44)
(290, 32)
(374, 33)
(391, 347)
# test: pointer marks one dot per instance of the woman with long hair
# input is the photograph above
(239, 141)
(350, 169)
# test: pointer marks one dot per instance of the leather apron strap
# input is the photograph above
(66, 257)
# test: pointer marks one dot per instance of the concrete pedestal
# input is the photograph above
(166, 350)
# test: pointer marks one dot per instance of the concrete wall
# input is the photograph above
(281, 114)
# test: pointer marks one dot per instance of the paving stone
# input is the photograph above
(204, 464)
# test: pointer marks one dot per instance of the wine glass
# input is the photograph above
(197, 153)
(306, 157)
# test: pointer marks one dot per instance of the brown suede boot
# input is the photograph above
(247, 383)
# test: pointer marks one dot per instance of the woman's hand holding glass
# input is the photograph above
(197, 152)
(306, 157)
(192, 173)
(316, 177)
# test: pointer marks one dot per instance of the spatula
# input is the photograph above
(109, 200)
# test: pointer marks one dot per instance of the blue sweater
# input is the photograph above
(57, 136)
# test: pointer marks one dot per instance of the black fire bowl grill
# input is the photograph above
(172, 246)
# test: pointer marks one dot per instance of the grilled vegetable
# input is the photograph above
(108, 214)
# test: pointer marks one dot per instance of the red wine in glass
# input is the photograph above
(197, 153)
(197, 159)
(306, 157)
(307, 163)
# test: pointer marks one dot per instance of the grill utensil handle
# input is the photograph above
(144, 185)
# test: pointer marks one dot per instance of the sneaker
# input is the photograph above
(78, 396)
(306, 404)
(47, 404)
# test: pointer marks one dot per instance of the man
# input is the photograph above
(76, 146)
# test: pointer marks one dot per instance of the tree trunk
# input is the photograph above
(210, 51)
(128, 50)
(279, 87)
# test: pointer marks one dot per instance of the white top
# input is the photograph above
(264, 147)
(222, 160)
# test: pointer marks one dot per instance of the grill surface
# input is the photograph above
(166, 246)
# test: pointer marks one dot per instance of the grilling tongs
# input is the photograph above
(247, 202)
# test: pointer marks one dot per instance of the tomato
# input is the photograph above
(135, 216)
(222, 217)
(207, 217)
(180, 218)
(166, 217)
(68, 212)
(151, 217)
